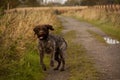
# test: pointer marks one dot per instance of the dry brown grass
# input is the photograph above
(64, 8)
(16, 34)
(101, 13)
(19, 25)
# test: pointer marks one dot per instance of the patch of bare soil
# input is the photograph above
(57, 75)
(106, 58)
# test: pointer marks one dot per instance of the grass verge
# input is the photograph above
(105, 24)
(109, 28)
(97, 36)
(27, 68)
(81, 66)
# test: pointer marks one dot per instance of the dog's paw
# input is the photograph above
(62, 69)
(45, 69)
(56, 69)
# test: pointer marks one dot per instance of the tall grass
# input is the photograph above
(101, 14)
(19, 59)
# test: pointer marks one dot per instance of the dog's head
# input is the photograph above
(42, 31)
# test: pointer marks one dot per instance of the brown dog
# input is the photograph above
(51, 44)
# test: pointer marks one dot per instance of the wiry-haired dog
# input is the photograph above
(51, 44)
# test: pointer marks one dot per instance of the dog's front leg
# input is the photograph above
(41, 53)
(42, 62)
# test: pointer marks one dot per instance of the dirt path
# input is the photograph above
(106, 58)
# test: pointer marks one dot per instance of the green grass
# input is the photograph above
(97, 36)
(109, 28)
(81, 66)
(27, 68)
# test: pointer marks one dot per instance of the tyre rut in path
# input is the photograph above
(106, 58)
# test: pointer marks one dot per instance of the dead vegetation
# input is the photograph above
(103, 13)
(17, 38)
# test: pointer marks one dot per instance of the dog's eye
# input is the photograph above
(38, 30)
(44, 28)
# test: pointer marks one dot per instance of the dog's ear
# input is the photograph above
(49, 27)
(35, 29)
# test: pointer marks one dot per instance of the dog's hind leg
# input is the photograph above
(63, 61)
(58, 60)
